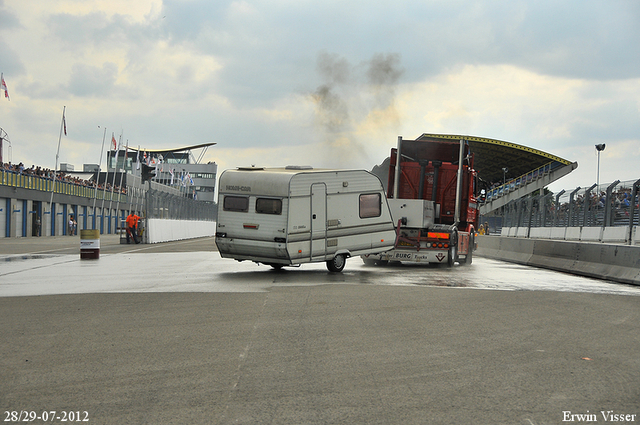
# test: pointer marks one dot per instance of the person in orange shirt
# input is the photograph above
(132, 227)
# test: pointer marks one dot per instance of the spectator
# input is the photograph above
(73, 225)
(132, 228)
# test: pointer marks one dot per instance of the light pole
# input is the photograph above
(599, 148)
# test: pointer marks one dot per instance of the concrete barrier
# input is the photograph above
(619, 263)
(573, 233)
(591, 234)
(558, 232)
(615, 234)
(165, 230)
(541, 233)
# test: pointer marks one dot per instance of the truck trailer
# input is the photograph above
(432, 195)
(296, 214)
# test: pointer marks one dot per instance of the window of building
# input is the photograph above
(171, 160)
(268, 206)
(203, 175)
(370, 205)
(204, 188)
(236, 203)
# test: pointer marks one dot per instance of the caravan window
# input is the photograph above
(370, 205)
(269, 206)
(236, 203)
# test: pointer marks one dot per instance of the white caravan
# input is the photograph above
(296, 214)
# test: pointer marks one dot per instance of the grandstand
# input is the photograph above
(508, 171)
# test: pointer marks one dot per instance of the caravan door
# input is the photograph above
(318, 220)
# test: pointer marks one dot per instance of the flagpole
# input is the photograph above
(95, 192)
(53, 186)
(106, 180)
(126, 156)
(113, 183)
(130, 196)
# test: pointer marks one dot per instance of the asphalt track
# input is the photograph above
(333, 352)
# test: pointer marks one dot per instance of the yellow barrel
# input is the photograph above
(89, 244)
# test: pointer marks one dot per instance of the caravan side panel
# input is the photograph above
(346, 230)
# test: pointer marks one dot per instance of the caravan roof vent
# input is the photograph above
(252, 168)
(298, 167)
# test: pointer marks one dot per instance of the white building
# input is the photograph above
(177, 168)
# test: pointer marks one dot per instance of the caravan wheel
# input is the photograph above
(337, 264)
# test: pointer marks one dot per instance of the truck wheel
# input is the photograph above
(337, 264)
(453, 253)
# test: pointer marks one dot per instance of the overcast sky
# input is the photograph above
(322, 83)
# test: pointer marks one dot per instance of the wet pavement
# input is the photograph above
(172, 333)
(195, 266)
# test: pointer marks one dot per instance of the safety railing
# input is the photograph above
(25, 181)
(605, 213)
(514, 184)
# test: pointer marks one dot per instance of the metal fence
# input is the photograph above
(44, 184)
(160, 204)
(612, 205)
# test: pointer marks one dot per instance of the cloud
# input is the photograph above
(88, 81)
(325, 83)
(11, 63)
(8, 19)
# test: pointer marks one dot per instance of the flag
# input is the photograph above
(116, 163)
(64, 124)
(171, 172)
(3, 86)
(138, 159)
(113, 142)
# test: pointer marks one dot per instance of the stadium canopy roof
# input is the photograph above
(491, 156)
(181, 149)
